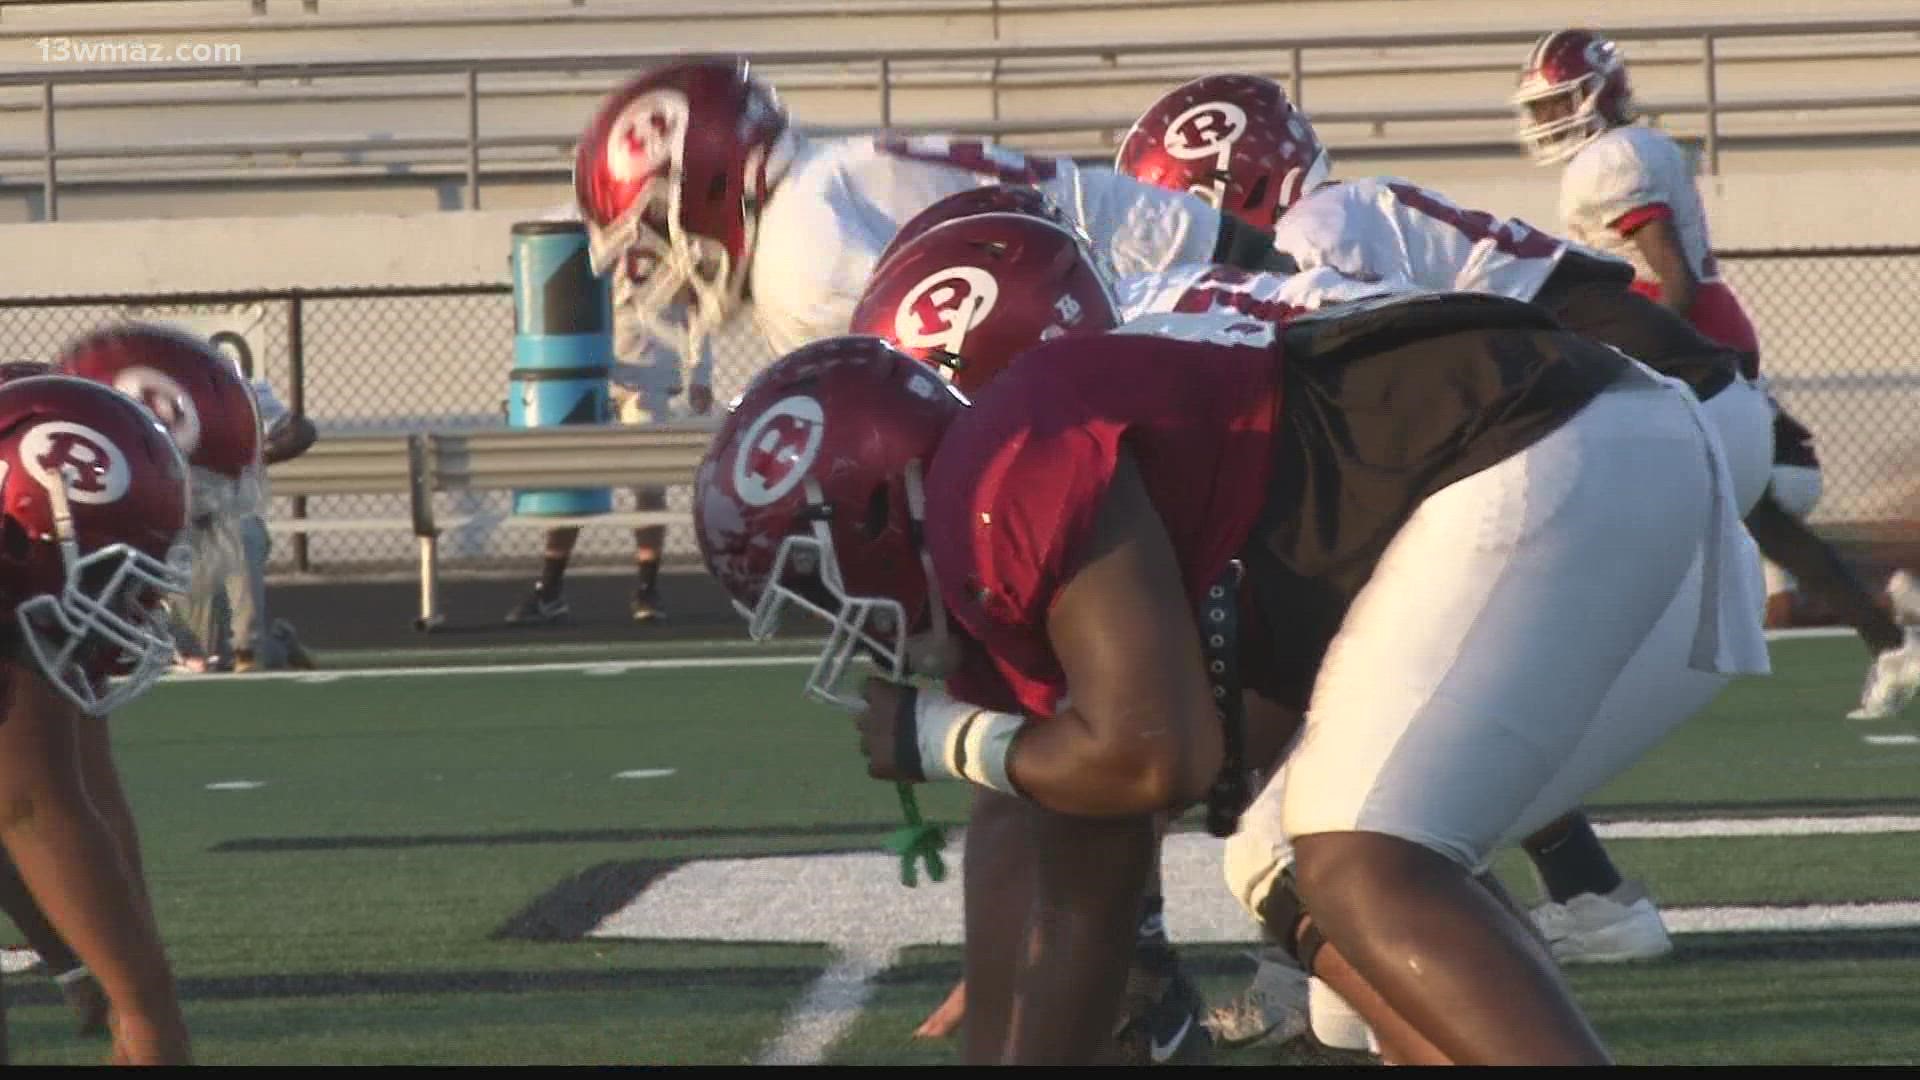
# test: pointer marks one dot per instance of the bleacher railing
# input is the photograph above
(884, 67)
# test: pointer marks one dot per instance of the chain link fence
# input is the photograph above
(1839, 332)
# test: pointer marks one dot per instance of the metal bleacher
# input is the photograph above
(393, 97)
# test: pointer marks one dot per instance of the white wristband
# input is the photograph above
(964, 742)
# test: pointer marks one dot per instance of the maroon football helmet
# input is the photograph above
(968, 296)
(197, 395)
(670, 178)
(1234, 140)
(1573, 87)
(187, 383)
(93, 504)
(991, 199)
(811, 495)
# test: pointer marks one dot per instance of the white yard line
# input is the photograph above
(831, 1006)
(854, 902)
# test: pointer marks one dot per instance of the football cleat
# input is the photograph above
(1892, 681)
(83, 995)
(1272, 1009)
(536, 608)
(296, 655)
(1164, 1019)
(646, 606)
(1623, 925)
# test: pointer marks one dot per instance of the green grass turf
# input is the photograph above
(426, 812)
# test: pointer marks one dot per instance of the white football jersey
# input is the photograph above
(1267, 297)
(843, 199)
(1384, 227)
(1624, 173)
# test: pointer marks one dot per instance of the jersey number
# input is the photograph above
(1510, 238)
(973, 155)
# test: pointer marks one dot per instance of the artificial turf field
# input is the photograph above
(529, 859)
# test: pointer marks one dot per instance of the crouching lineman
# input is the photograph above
(95, 496)
(967, 299)
(1097, 491)
(1266, 161)
(1629, 189)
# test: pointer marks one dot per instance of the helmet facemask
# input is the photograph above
(690, 284)
(806, 574)
(219, 504)
(1573, 116)
(109, 601)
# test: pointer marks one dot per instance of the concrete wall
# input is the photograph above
(1764, 210)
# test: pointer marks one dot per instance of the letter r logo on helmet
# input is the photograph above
(91, 468)
(777, 450)
(1207, 130)
(939, 311)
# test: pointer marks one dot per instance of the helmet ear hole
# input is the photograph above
(15, 544)
(1257, 194)
(878, 505)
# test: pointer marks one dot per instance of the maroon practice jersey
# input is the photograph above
(1017, 482)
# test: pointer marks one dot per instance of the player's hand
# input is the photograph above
(700, 399)
(889, 705)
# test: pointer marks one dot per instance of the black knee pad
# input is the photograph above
(1284, 916)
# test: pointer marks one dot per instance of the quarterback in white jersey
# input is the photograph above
(1627, 190)
(1630, 190)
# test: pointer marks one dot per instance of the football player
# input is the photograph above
(213, 415)
(96, 499)
(701, 199)
(209, 411)
(940, 300)
(1241, 138)
(1628, 189)
(692, 182)
(1065, 533)
(1020, 260)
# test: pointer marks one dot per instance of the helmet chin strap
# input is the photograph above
(63, 530)
(917, 513)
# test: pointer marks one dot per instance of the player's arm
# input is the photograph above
(73, 864)
(1148, 228)
(102, 779)
(1659, 242)
(1140, 734)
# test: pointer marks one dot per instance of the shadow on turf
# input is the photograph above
(39, 990)
(552, 836)
(1814, 807)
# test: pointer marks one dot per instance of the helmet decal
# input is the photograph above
(939, 311)
(777, 450)
(1206, 130)
(61, 453)
(640, 142)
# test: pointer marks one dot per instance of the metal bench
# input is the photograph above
(423, 464)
